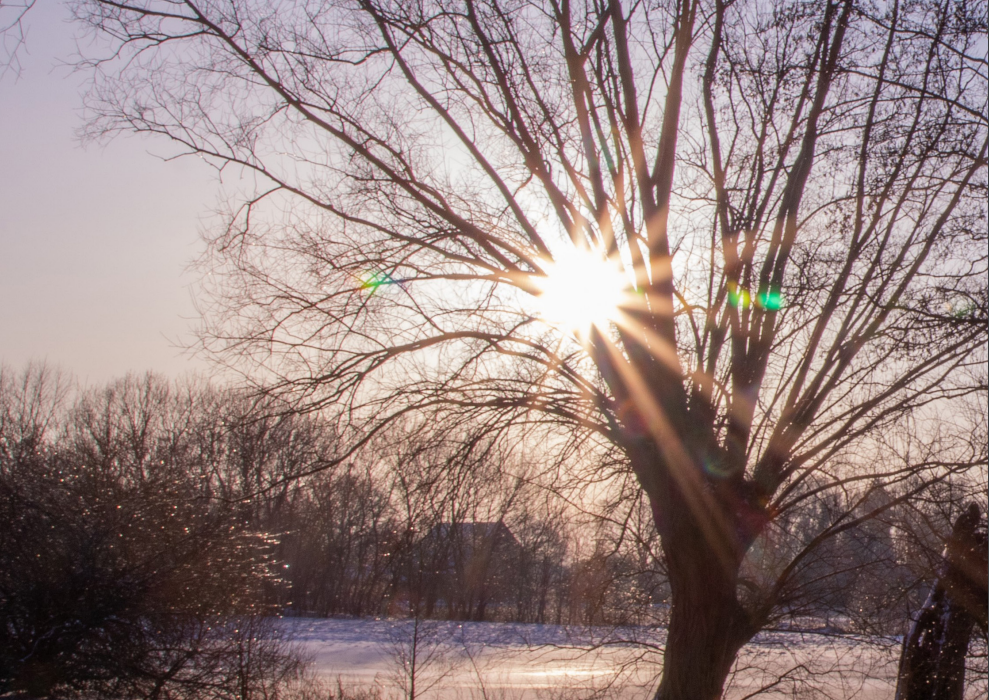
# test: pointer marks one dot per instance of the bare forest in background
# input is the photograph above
(439, 525)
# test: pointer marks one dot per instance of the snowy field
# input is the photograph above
(495, 661)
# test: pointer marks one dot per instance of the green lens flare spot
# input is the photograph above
(373, 280)
(770, 300)
(739, 297)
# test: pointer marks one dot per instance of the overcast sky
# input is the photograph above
(94, 240)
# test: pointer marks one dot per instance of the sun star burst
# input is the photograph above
(581, 289)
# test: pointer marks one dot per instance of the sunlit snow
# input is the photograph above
(507, 660)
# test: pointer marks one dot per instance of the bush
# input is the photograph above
(112, 586)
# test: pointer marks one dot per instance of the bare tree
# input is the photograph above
(420, 651)
(932, 664)
(117, 577)
(770, 215)
(12, 33)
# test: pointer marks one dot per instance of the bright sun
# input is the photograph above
(580, 290)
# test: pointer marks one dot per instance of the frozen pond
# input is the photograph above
(504, 660)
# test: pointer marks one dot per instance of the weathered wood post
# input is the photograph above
(932, 663)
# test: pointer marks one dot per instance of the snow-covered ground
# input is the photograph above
(490, 661)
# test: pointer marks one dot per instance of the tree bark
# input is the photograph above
(706, 631)
(707, 626)
(932, 663)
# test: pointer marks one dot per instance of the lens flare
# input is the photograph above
(739, 296)
(770, 299)
(372, 280)
(580, 290)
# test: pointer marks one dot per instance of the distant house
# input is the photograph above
(466, 567)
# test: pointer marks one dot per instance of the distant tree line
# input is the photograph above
(178, 515)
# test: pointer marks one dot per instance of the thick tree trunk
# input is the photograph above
(932, 664)
(704, 637)
(707, 624)
(705, 526)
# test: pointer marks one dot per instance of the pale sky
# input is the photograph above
(94, 240)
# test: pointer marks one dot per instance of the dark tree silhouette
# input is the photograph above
(117, 577)
(932, 665)
(792, 196)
